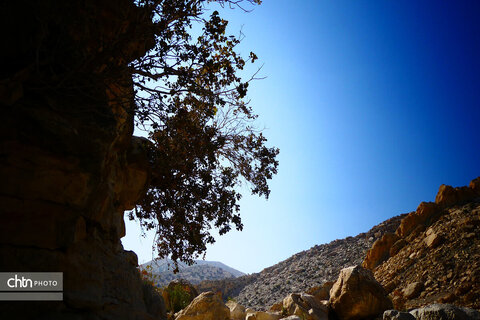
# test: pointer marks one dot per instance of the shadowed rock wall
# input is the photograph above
(69, 165)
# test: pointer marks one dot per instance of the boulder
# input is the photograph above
(397, 246)
(356, 295)
(380, 251)
(397, 315)
(425, 213)
(207, 306)
(250, 316)
(292, 317)
(413, 290)
(448, 196)
(276, 307)
(237, 311)
(432, 240)
(321, 292)
(475, 186)
(305, 306)
(445, 312)
(265, 315)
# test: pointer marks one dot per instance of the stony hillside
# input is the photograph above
(436, 253)
(431, 255)
(200, 271)
(300, 272)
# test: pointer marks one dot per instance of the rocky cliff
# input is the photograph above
(436, 253)
(69, 165)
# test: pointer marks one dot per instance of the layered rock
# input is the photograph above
(68, 162)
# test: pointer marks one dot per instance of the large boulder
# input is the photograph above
(397, 246)
(237, 311)
(432, 239)
(380, 251)
(413, 290)
(276, 307)
(448, 196)
(357, 295)
(397, 315)
(265, 315)
(445, 312)
(305, 306)
(294, 317)
(321, 292)
(207, 306)
(250, 314)
(425, 214)
(475, 186)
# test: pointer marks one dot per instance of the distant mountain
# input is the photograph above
(200, 271)
(220, 265)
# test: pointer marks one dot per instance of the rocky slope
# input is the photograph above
(200, 271)
(439, 259)
(431, 255)
(300, 272)
(355, 295)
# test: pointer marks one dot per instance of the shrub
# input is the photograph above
(177, 297)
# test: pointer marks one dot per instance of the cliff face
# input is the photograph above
(69, 165)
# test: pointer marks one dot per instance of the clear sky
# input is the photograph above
(373, 105)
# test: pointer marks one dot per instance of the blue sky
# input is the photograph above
(373, 105)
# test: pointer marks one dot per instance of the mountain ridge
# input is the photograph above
(162, 271)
